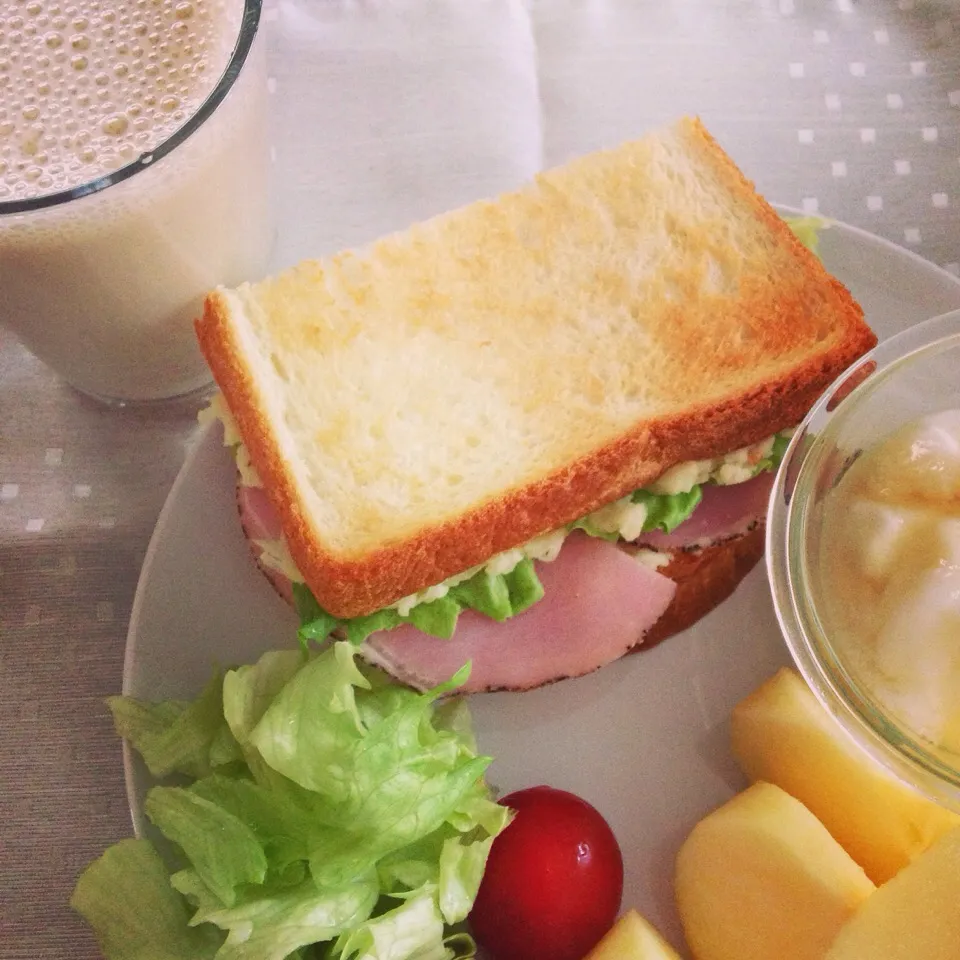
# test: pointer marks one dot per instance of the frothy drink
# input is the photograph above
(112, 100)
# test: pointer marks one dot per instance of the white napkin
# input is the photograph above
(613, 69)
(385, 112)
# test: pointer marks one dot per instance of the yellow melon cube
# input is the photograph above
(915, 916)
(632, 938)
(762, 879)
(781, 734)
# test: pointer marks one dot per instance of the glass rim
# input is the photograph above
(249, 26)
(858, 712)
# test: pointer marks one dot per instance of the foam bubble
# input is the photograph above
(106, 84)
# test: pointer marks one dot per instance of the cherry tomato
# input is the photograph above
(553, 881)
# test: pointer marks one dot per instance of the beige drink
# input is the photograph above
(132, 180)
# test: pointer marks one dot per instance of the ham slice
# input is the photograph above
(724, 512)
(261, 522)
(598, 603)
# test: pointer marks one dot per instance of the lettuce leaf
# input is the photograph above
(222, 848)
(249, 690)
(280, 817)
(413, 929)
(178, 737)
(592, 530)
(306, 730)
(807, 230)
(498, 596)
(773, 459)
(356, 817)
(461, 870)
(126, 897)
(666, 511)
(272, 924)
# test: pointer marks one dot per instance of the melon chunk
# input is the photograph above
(762, 879)
(781, 734)
(914, 916)
(632, 938)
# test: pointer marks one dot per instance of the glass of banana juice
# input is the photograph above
(133, 179)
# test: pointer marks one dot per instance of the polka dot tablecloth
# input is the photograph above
(384, 112)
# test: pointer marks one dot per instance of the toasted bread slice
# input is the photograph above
(498, 371)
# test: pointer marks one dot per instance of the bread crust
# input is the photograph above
(704, 578)
(349, 586)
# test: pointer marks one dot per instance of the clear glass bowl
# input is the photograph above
(907, 377)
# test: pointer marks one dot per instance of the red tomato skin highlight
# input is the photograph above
(553, 882)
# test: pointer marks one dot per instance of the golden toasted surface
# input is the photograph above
(493, 373)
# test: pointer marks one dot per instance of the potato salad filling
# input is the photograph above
(507, 583)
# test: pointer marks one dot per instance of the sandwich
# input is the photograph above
(536, 432)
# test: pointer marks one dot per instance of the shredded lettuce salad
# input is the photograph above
(316, 803)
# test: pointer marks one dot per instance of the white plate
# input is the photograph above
(644, 740)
